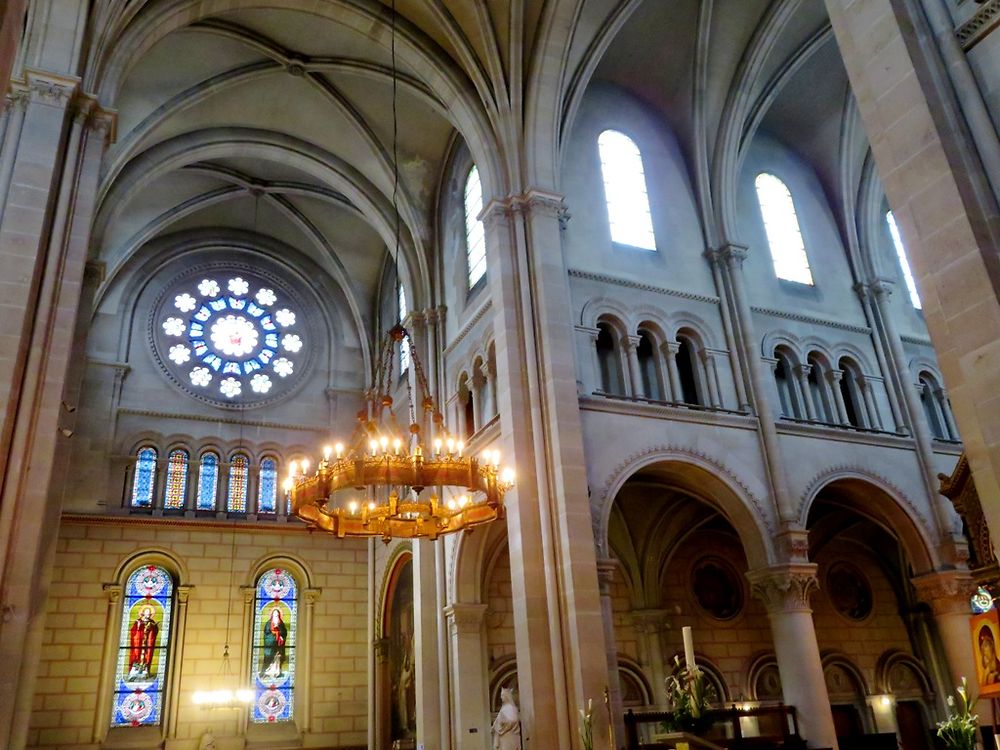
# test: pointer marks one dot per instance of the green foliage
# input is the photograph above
(958, 731)
(587, 725)
(687, 701)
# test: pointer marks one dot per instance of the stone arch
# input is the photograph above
(898, 515)
(687, 322)
(154, 556)
(299, 568)
(704, 478)
(781, 339)
(599, 308)
(764, 678)
(631, 670)
(853, 353)
(844, 662)
(401, 555)
(894, 659)
(472, 556)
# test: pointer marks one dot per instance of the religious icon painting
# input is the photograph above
(275, 620)
(985, 632)
(144, 638)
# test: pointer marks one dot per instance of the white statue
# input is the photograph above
(207, 742)
(507, 725)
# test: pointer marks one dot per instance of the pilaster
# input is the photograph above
(470, 677)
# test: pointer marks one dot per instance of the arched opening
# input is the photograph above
(649, 370)
(933, 408)
(784, 378)
(850, 393)
(396, 671)
(609, 360)
(819, 389)
(687, 371)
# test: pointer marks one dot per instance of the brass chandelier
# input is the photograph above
(395, 483)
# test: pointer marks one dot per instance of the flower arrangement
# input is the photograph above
(958, 731)
(687, 700)
(587, 725)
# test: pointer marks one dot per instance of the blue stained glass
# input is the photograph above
(196, 330)
(255, 310)
(250, 365)
(200, 348)
(265, 355)
(213, 361)
(267, 495)
(203, 314)
(208, 481)
(176, 489)
(271, 340)
(267, 324)
(237, 304)
(217, 304)
(233, 367)
(141, 671)
(144, 479)
(273, 658)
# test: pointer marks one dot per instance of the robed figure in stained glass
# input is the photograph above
(275, 634)
(142, 639)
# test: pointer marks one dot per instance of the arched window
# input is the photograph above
(273, 658)
(177, 470)
(782, 226)
(144, 478)
(208, 481)
(819, 391)
(904, 263)
(784, 377)
(686, 371)
(267, 486)
(466, 398)
(475, 235)
(236, 500)
(609, 360)
(648, 370)
(143, 644)
(625, 191)
(404, 345)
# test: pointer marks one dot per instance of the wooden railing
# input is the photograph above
(757, 728)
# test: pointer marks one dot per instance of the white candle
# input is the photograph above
(689, 662)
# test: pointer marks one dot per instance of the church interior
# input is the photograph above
(498, 374)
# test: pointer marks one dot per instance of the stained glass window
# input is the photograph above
(273, 658)
(230, 338)
(625, 191)
(475, 234)
(177, 470)
(140, 675)
(267, 493)
(208, 481)
(904, 263)
(144, 478)
(404, 345)
(236, 502)
(781, 223)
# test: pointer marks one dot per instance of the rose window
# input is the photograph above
(230, 338)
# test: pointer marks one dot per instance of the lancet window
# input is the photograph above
(176, 487)
(475, 234)
(236, 499)
(267, 487)
(208, 481)
(625, 191)
(784, 237)
(144, 478)
(274, 639)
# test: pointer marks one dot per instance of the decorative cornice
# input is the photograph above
(531, 201)
(844, 434)
(784, 588)
(811, 319)
(628, 283)
(247, 525)
(916, 340)
(51, 89)
(471, 324)
(947, 592)
(977, 28)
(465, 618)
(624, 405)
(319, 429)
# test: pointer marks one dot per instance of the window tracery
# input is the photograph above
(781, 223)
(625, 191)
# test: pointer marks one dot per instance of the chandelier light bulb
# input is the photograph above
(451, 446)
(451, 505)
(507, 475)
(459, 446)
(462, 501)
(339, 448)
(396, 445)
(304, 466)
(288, 484)
(437, 446)
(293, 468)
(373, 445)
(384, 442)
(327, 450)
(371, 505)
(353, 507)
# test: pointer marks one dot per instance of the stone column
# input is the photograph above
(556, 603)
(651, 624)
(865, 383)
(471, 720)
(941, 396)
(631, 344)
(591, 370)
(836, 377)
(739, 375)
(711, 377)
(105, 679)
(676, 394)
(802, 380)
(606, 577)
(17, 104)
(383, 694)
(785, 591)
(425, 637)
(309, 597)
(937, 159)
(177, 660)
(878, 341)
(948, 594)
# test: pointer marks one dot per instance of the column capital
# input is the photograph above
(606, 568)
(248, 593)
(183, 594)
(835, 376)
(311, 595)
(882, 288)
(651, 621)
(784, 588)
(631, 341)
(734, 254)
(465, 618)
(531, 201)
(946, 591)
(802, 369)
(593, 333)
(50, 88)
(113, 591)
(670, 348)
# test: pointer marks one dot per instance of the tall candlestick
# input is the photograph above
(689, 662)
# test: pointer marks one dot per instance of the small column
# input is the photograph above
(948, 594)
(469, 679)
(631, 344)
(802, 380)
(425, 637)
(835, 377)
(309, 597)
(105, 680)
(651, 624)
(866, 383)
(383, 693)
(670, 350)
(605, 578)
(865, 295)
(590, 380)
(785, 591)
(177, 656)
(711, 377)
(488, 399)
(941, 396)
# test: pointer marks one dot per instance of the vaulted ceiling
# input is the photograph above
(275, 118)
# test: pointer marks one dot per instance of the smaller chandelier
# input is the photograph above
(391, 483)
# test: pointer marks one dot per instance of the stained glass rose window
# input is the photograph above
(233, 337)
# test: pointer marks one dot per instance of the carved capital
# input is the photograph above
(882, 288)
(784, 588)
(311, 596)
(113, 591)
(183, 594)
(464, 618)
(51, 89)
(651, 621)
(631, 342)
(947, 592)
(734, 254)
(802, 370)
(835, 376)
(248, 594)
(533, 201)
(606, 575)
